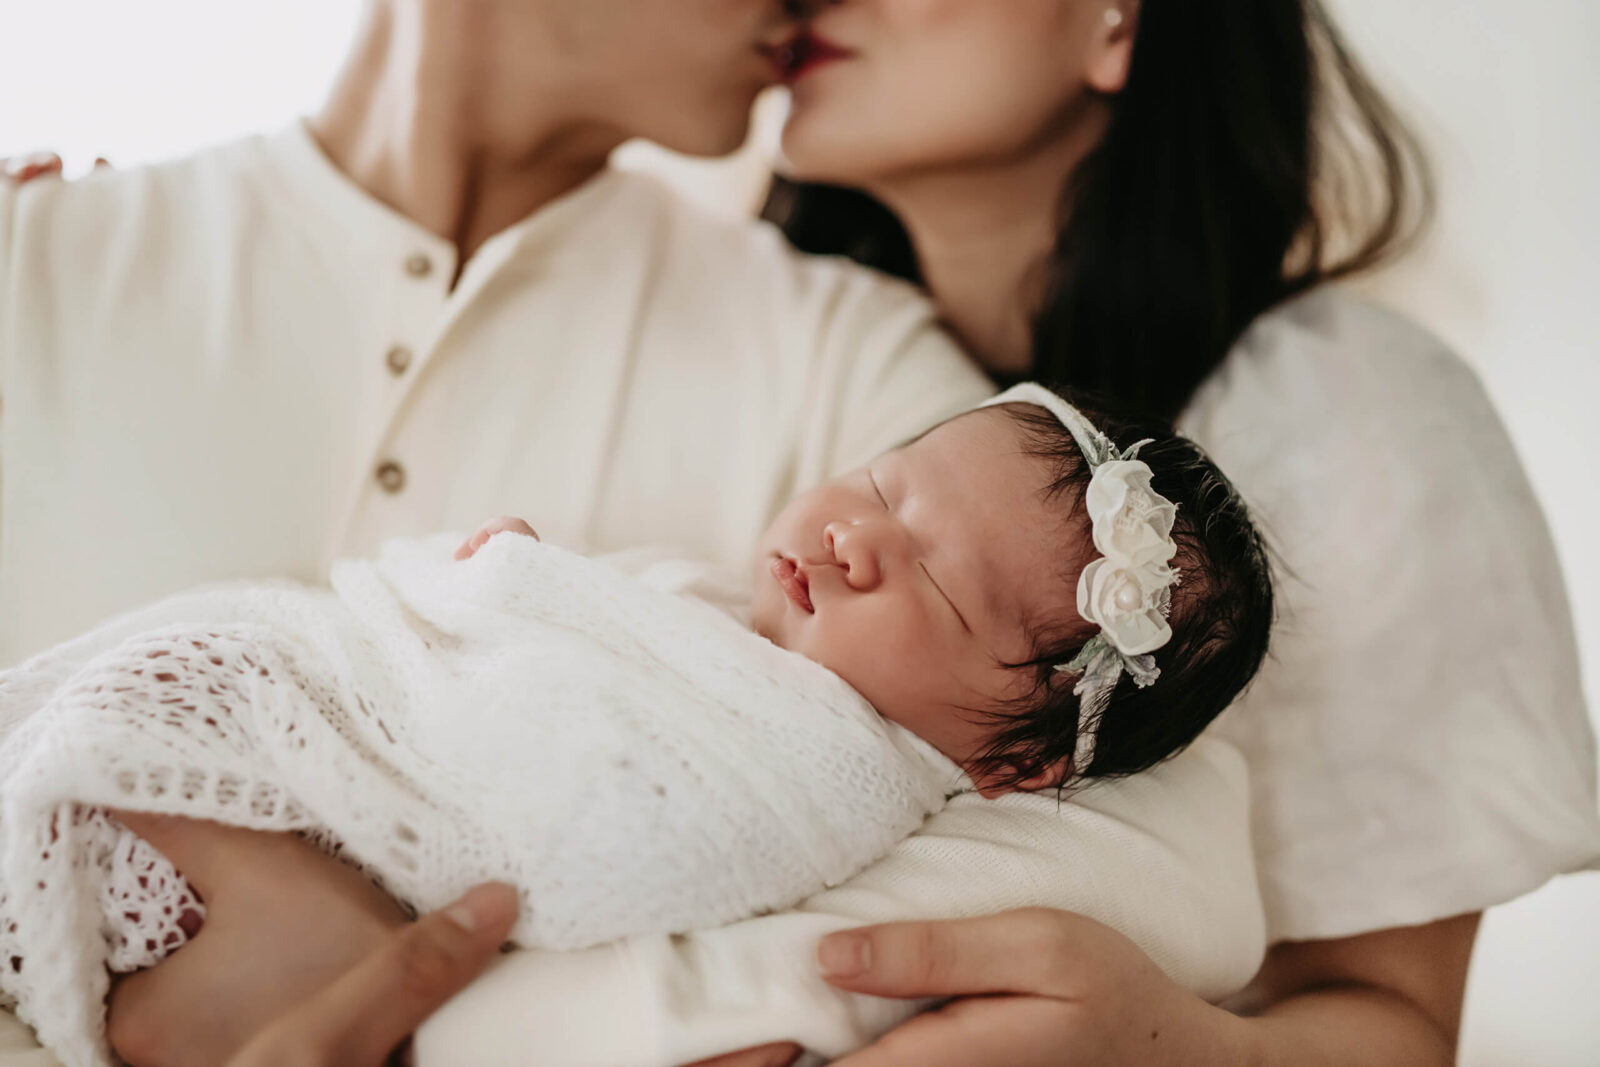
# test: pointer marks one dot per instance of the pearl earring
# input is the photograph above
(1113, 17)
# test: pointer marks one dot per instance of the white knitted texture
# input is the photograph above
(633, 761)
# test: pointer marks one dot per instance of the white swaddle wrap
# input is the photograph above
(632, 760)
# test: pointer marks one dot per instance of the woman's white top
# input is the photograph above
(1417, 742)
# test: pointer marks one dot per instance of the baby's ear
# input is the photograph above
(996, 783)
(1050, 776)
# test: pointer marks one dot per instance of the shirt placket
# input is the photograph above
(404, 342)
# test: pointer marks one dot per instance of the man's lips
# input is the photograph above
(794, 583)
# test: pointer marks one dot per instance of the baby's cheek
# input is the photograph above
(889, 658)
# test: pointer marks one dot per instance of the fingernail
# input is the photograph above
(844, 955)
(481, 905)
(462, 915)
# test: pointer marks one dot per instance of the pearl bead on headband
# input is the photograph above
(1127, 591)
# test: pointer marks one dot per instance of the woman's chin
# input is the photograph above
(808, 157)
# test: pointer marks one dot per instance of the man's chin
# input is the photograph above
(710, 139)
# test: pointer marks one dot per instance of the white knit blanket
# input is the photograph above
(633, 760)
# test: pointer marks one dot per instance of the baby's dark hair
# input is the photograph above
(1221, 614)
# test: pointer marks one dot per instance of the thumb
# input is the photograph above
(367, 1013)
(1029, 952)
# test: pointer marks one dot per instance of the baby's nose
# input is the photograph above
(854, 546)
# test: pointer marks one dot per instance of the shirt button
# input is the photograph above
(418, 265)
(391, 476)
(398, 360)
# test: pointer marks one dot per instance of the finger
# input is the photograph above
(17, 164)
(363, 1016)
(521, 527)
(475, 542)
(28, 174)
(102, 163)
(1028, 951)
(35, 165)
(778, 1055)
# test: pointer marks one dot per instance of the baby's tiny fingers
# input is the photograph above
(475, 542)
(519, 527)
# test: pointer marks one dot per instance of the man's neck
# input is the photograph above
(983, 235)
(427, 119)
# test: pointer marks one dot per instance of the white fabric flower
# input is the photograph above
(1128, 603)
(1127, 593)
(1132, 523)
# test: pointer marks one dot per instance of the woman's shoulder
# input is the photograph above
(1341, 378)
(1332, 355)
(1423, 633)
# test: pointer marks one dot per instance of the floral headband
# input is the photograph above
(1127, 592)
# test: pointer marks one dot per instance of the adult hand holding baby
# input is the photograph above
(363, 1016)
(1041, 988)
(283, 923)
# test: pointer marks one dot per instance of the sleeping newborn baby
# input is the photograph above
(994, 606)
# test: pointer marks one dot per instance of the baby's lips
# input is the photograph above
(789, 576)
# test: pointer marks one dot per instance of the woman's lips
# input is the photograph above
(793, 580)
(804, 54)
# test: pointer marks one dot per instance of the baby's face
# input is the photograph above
(913, 578)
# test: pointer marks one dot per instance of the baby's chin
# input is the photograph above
(766, 620)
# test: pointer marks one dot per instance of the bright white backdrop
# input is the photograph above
(1505, 92)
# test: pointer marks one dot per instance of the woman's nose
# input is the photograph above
(858, 548)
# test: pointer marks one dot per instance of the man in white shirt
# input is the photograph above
(433, 303)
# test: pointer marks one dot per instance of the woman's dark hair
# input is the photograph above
(1221, 615)
(1247, 159)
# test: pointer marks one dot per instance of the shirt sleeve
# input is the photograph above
(1163, 857)
(1417, 741)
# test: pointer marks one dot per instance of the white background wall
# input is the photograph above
(1506, 92)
